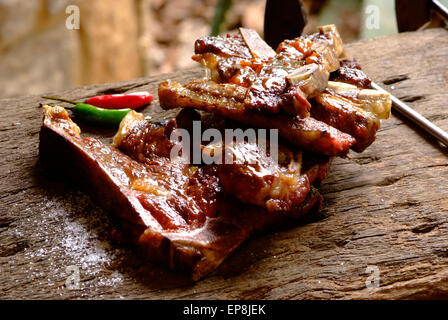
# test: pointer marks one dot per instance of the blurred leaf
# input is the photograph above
(345, 14)
(221, 10)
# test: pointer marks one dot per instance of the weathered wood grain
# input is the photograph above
(386, 207)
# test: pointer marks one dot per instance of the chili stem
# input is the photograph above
(61, 99)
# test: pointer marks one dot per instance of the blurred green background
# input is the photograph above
(339, 11)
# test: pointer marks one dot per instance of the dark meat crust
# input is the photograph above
(248, 185)
(308, 133)
(148, 143)
(281, 186)
(282, 84)
(352, 76)
(341, 113)
(223, 56)
(351, 72)
(350, 63)
(245, 59)
(227, 46)
(255, 177)
(273, 78)
(178, 242)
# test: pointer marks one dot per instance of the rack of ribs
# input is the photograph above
(187, 217)
(307, 89)
(191, 216)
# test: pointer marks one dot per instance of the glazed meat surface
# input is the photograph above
(190, 215)
(276, 185)
(352, 110)
(340, 113)
(178, 214)
(299, 68)
(308, 133)
(350, 72)
(289, 91)
(249, 172)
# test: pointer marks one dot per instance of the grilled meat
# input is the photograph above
(178, 214)
(260, 180)
(351, 76)
(192, 216)
(286, 83)
(227, 46)
(308, 133)
(300, 67)
(341, 113)
(222, 56)
(350, 72)
(352, 110)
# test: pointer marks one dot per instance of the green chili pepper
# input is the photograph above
(97, 115)
(92, 114)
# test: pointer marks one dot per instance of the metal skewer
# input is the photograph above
(416, 117)
(440, 8)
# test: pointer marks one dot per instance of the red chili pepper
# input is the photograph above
(132, 100)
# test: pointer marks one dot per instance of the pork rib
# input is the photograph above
(292, 81)
(307, 133)
(173, 211)
(352, 110)
(300, 68)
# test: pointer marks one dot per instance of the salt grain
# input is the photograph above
(75, 230)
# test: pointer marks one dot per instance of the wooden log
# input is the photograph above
(386, 209)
